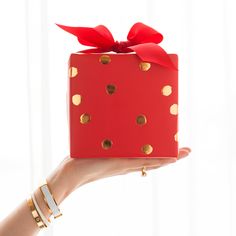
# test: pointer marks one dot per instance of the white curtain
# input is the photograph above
(195, 196)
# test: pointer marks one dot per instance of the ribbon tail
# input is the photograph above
(153, 53)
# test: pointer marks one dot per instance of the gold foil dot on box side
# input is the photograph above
(176, 137)
(85, 118)
(141, 119)
(174, 109)
(144, 66)
(73, 71)
(110, 88)
(106, 144)
(166, 90)
(105, 59)
(76, 99)
(147, 149)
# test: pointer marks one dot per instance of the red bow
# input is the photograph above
(142, 40)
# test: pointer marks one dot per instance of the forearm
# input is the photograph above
(20, 221)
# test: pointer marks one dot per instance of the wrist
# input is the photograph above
(41, 203)
(66, 178)
(58, 184)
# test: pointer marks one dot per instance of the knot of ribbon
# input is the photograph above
(141, 39)
(122, 46)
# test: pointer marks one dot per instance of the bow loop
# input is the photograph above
(142, 40)
(141, 33)
(98, 36)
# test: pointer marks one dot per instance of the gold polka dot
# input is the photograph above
(85, 118)
(176, 137)
(110, 88)
(106, 144)
(174, 109)
(147, 149)
(144, 66)
(166, 90)
(73, 71)
(141, 119)
(105, 59)
(76, 99)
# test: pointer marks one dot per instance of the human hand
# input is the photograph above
(75, 172)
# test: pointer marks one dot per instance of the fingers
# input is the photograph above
(137, 164)
(115, 166)
(183, 152)
(147, 168)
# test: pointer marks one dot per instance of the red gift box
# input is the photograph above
(121, 105)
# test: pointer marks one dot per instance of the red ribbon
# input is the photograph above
(141, 39)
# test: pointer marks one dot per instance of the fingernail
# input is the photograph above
(184, 154)
(188, 149)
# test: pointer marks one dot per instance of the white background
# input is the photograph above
(194, 197)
